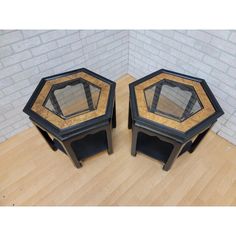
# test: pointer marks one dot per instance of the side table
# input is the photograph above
(169, 114)
(75, 112)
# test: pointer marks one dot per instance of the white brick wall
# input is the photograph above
(210, 55)
(28, 55)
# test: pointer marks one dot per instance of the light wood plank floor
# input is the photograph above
(32, 174)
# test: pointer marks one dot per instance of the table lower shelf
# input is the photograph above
(87, 146)
(156, 148)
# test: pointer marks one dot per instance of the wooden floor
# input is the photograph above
(32, 174)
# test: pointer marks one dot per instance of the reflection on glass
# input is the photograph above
(173, 100)
(72, 98)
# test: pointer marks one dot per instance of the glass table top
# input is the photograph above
(72, 98)
(173, 100)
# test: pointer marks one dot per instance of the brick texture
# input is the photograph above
(210, 55)
(28, 55)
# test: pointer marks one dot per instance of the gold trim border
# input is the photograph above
(187, 124)
(58, 121)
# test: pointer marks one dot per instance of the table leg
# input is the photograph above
(134, 141)
(109, 138)
(114, 115)
(47, 138)
(174, 154)
(129, 118)
(198, 140)
(71, 153)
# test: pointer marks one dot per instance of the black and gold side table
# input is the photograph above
(170, 113)
(75, 112)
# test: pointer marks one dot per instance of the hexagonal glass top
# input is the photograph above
(173, 100)
(74, 98)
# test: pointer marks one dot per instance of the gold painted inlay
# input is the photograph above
(58, 121)
(185, 125)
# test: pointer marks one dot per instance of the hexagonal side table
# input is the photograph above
(75, 113)
(169, 114)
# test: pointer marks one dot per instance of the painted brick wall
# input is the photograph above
(210, 55)
(27, 55)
